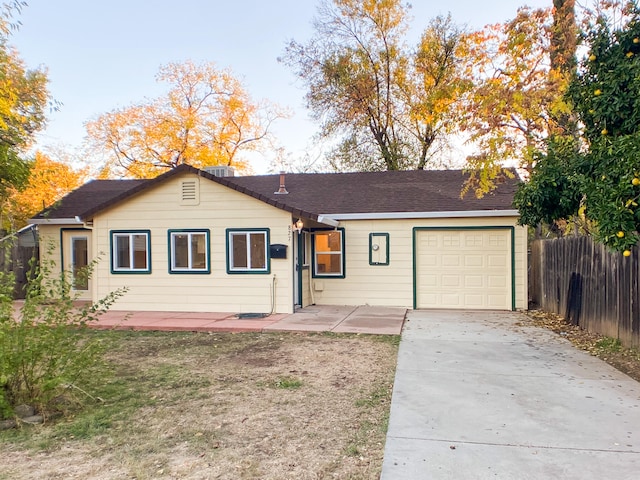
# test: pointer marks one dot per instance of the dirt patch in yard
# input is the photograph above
(222, 406)
(627, 360)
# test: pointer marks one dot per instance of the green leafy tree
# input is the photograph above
(386, 105)
(598, 175)
(552, 192)
(23, 100)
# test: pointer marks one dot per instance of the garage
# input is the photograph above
(464, 268)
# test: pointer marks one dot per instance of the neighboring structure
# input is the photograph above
(17, 251)
(190, 240)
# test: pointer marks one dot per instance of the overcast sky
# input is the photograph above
(103, 55)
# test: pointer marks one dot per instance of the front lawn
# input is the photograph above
(228, 406)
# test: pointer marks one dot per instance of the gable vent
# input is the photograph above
(190, 192)
(220, 171)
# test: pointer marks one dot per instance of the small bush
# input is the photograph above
(43, 351)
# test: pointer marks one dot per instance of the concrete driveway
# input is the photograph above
(478, 395)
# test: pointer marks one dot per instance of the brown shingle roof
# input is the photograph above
(87, 196)
(311, 195)
(379, 192)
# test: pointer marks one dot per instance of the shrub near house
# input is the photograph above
(43, 356)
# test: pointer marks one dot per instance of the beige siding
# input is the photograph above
(55, 251)
(306, 287)
(50, 248)
(218, 208)
(521, 250)
(392, 285)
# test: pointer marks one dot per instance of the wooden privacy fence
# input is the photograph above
(16, 254)
(588, 285)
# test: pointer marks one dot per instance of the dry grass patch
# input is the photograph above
(228, 406)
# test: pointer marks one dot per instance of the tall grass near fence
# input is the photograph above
(587, 284)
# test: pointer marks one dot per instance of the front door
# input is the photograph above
(80, 262)
(301, 280)
(296, 269)
(76, 257)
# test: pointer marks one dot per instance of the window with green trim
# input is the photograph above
(189, 251)
(131, 251)
(328, 253)
(248, 251)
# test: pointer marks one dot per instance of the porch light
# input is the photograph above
(297, 227)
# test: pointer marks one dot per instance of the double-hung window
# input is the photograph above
(189, 251)
(131, 251)
(248, 251)
(328, 253)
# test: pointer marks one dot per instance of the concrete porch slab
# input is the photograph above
(313, 319)
(378, 320)
(316, 318)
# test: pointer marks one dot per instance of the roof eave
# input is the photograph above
(56, 221)
(411, 215)
(328, 221)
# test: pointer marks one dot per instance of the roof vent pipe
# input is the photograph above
(282, 190)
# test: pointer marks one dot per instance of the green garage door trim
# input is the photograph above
(500, 227)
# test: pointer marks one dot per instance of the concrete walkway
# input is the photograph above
(479, 396)
(337, 319)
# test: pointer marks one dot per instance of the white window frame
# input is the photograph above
(130, 234)
(247, 232)
(190, 268)
(340, 253)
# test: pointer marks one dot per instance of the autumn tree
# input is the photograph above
(598, 175)
(23, 101)
(563, 62)
(516, 97)
(48, 182)
(386, 105)
(206, 118)
(8, 12)
(430, 89)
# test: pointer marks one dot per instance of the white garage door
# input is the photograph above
(463, 269)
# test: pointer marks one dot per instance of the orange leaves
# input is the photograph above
(48, 182)
(517, 95)
(386, 14)
(383, 15)
(206, 118)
